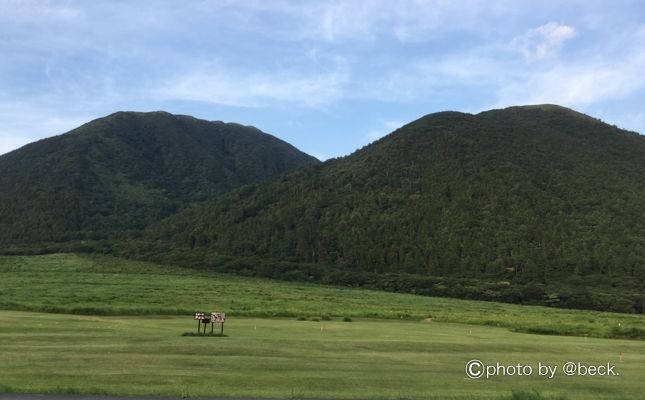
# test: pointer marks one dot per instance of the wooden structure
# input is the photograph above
(214, 317)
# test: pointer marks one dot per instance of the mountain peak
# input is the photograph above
(552, 109)
(121, 172)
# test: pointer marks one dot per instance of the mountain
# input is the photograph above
(120, 173)
(534, 204)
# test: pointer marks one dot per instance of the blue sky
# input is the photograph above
(327, 76)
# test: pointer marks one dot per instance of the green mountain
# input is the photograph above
(120, 173)
(535, 204)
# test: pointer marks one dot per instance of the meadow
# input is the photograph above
(75, 323)
(104, 285)
(285, 358)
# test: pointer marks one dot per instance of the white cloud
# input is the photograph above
(407, 21)
(427, 76)
(45, 11)
(219, 85)
(544, 41)
(579, 83)
(341, 20)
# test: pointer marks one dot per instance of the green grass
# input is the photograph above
(285, 358)
(102, 285)
(320, 342)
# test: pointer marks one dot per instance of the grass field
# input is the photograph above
(128, 340)
(297, 359)
(102, 285)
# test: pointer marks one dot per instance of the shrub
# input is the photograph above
(525, 395)
(618, 332)
(532, 395)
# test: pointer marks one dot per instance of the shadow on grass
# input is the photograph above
(204, 334)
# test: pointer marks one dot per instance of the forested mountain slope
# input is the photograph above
(119, 173)
(542, 203)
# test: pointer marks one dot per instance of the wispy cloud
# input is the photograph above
(409, 21)
(544, 41)
(430, 76)
(614, 72)
(221, 85)
(577, 85)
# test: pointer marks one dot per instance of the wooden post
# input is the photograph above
(198, 322)
(221, 332)
(212, 325)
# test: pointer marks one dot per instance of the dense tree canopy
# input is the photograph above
(119, 173)
(542, 203)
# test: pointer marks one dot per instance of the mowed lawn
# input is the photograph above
(261, 357)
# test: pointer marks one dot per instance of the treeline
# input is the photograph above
(567, 294)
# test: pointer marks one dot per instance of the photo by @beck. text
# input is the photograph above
(476, 369)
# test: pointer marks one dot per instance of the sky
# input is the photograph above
(326, 76)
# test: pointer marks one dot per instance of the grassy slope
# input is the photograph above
(295, 359)
(100, 285)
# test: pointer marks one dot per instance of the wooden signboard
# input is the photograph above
(218, 317)
(203, 319)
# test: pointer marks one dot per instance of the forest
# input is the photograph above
(527, 204)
